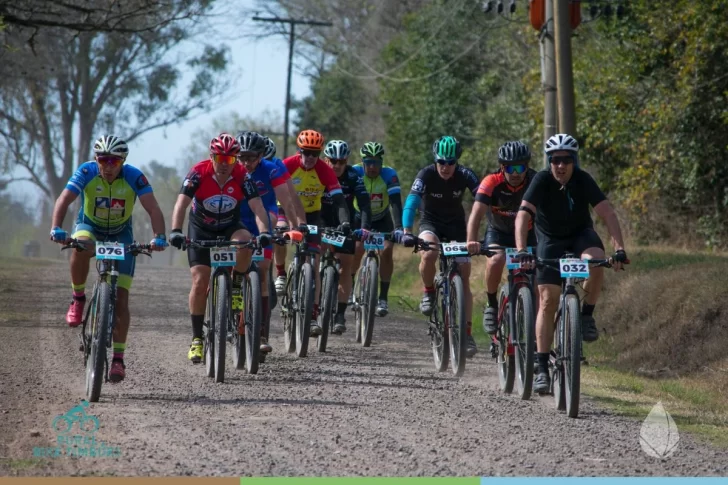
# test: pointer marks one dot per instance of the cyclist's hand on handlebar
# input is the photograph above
(58, 235)
(619, 259)
(159, 243)
(527, 260)
(176, 238)
(474, 247)
(264, 239)
(361, 234)
(397, 235)
(409, 240)
(303, 229)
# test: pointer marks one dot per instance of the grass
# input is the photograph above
(21, 464)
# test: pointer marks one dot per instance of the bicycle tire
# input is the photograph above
(371, 278)
(572, 376)
(272, 295)
(288, 315)
(557, 379)
(208, 350)
(328, 305)
(439, 338)
(253, 311)
(358, 298)
(525, 347)
(96, 363)
(87, 328)
(306, 293)
(506, 362)
(222, 315)
(458, 326)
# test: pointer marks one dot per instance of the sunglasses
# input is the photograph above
(110, 160)
(248, 157)
(511, 169)
(310, 153)
(447, 162)
(565, 159)
(337, 161)
(371, 161)
(224, 159)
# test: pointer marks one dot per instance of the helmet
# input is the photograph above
(270, 148)
(111, 145)
(561, 142)
(337, 150)
(447, 148)
(224, 144)
(250, 141)
(514, 152)
(310, 140)
(372, 149)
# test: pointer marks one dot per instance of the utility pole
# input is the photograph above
(564, 68)
(291, 41)
(548, 76)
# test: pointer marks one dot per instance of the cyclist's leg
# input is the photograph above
(428, 267)
(314, 243)
(493, 275)
(459, 233)
(345, 255)
(279, 253)
(79, 267)
(121, 325)
(589, 246)
(199, 261)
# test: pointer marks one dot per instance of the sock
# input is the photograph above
(281, 269)
(429, 289)
(341, 308)
(197, 325)
(383, 290)
(492, 300)
(587, 309)
(469, 329)
(266, 311)
(543, 361)
(79, 292)
(119, 349)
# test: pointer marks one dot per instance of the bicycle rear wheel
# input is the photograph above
(371, 284)
(288, 315)
(222, 315)
(328, 305)
(96, 362)
(439, 338)
(253, 312)
(305, 309)
(572, 364)
(457, 326)
(525, 341)
(506, 362)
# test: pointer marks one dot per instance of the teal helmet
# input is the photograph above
(447, 148)
(372, 149)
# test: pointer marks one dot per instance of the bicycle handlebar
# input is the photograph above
(83, 244)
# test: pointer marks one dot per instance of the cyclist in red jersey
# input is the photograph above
(215, 188)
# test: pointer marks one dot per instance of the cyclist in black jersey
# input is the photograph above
(559, 199)
(336, 154)
(439, 188)
(499, 196)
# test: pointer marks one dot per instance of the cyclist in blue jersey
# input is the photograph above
(270, 178)
(108, 188)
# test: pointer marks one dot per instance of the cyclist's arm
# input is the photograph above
(149, 202)
(525, 214)
(411, 206)
(261, 215)
(364, 203)
(342, 209)
(395, 207)
(606, 212)
(283, 195)
(300, 212)
(178, 213)
(62, 203)
(476, 215)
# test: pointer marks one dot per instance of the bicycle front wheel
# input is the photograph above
(439, 336)
(505, 360)
(306, 284)
(572, 363)
(288, 315)
(525, 341)
(371, 284)
(222, 315)
(457, 327)
(328, 305)
(358, 299)
(253, 314)
(96, 362)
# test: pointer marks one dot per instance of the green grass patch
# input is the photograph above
(21, 464)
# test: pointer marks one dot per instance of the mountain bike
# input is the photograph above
(329, 269)
(447, 323)
(96, 337)
(366, 285)
(565, 358)
(297, 301)
(514, 344)
(220, 321)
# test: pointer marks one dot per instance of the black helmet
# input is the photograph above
(250, 141)
(513, 152)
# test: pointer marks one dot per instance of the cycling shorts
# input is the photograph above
(201, 256)
(125, 236)
(551, 248)
(446, 233)
(494, 237)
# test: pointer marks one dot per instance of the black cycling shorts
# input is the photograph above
(445, 233)
(550, 248)
(494, 237)
(385, 224)
(201, 256)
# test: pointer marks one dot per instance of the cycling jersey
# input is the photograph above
(441, 199)
(311, 184)
(267, 176)
(503, 198)
(216, 208)
(562, 211)
(107, 207)
(379, 189)
(352, 186)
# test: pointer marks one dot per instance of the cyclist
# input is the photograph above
(336, 155)
(558, 198)
(439, 187)
(382, 184)
(270, 179)
(499, 196)
(215, 187)
(311, 177)
(108, 188)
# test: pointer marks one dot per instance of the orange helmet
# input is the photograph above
(310, 140)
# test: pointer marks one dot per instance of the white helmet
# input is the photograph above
(337, 150)
(111, 145)
(270, 148)
(561, 141)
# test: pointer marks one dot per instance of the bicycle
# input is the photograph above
(298, 297)
(514, 344)
(565, 359)
(447, 325)
(244, 327)
(97, 337)
(366, 285)
(329, 269)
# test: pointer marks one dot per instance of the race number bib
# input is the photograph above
(334, 240)
(222, 257)
(510, 256)
(375, 241)
(574, 268)
(455, 249)
(313, 230)
(110, 250)
(258, 255)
